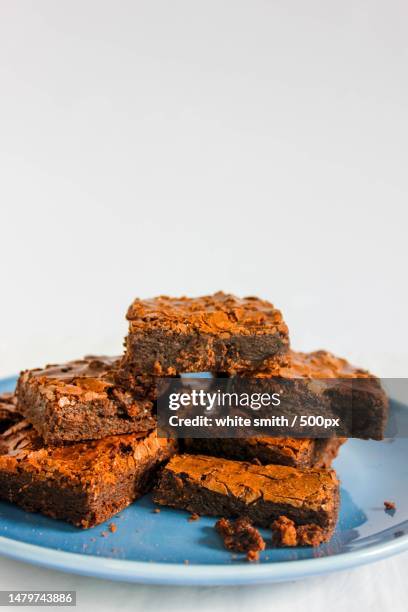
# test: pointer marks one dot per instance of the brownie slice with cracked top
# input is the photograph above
(220, 487)
(84, 483)
(218, 332)
(85, 400)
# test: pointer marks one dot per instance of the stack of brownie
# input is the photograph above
(76, 446)
(79, 440)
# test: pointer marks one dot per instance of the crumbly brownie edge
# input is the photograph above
(248, 449)
(168, 353)
(287, 451)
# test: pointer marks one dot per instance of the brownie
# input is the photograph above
(219, 332)
(8, 411)
(331, 384)
(296, 452)
(241, 536)
(82, 400)
(214, 486)
(84, 483)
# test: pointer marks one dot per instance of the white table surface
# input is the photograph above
(378, 587)
(182, 147)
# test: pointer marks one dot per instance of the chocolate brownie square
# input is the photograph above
(82, 400)
(220, 332)
(322, 380)
(84, 483)
(220, 487)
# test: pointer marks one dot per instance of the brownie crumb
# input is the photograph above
(104, 534)
(241, 536)
(286, 534)
(389, 505)
(156, 511)
(112, 527)
(310, 535)
(398, 534)
(252, 555)
(193, 517)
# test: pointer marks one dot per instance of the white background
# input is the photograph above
(178, 147)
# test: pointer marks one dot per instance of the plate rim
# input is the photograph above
(181, 574)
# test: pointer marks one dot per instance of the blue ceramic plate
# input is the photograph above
(166, 548)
